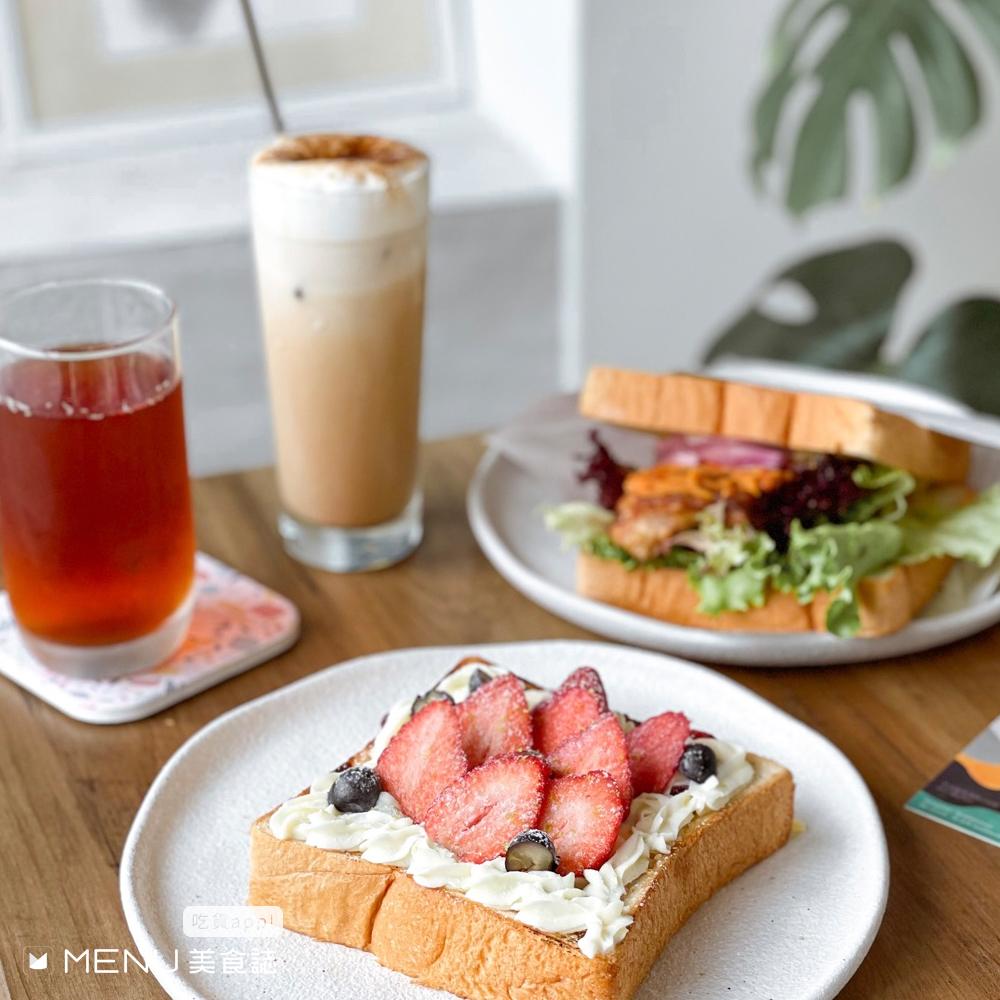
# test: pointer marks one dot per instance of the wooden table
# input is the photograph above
(70, 790)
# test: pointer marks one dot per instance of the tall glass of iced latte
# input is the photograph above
(340, 237)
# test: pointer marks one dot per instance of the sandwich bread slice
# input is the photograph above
(498, 840)
(767, 510)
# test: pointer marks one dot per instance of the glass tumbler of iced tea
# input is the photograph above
(96, 534)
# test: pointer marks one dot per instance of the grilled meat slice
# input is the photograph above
(643, 526)
(661, 502)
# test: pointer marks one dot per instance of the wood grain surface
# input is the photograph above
(69, 790)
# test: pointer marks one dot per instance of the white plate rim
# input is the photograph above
(810, 649)
(177, 989)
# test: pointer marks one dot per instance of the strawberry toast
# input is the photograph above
(500, 840)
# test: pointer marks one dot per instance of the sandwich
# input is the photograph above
(765, 510)
(496, 839)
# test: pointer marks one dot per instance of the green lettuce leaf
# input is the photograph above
(889, 489)
(735, 567)
(726, 547)
(832, 558)
(970, 532)
(741, 586)
(602, 547)
(578, 522)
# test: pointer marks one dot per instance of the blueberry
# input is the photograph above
(356, 790)
(478, 679)
(531, 851)
(698, 762)
(422, 700)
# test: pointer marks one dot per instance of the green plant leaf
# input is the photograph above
(986, 14)
(861, 59)
(854, 291)
(959, 354)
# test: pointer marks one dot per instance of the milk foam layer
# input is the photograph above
(321, 193)
(598, 907)
(337, 268)
(340, 240)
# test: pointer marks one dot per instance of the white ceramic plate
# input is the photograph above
(793, 928)
(506, 499)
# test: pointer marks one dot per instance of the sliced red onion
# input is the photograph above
(702, 449)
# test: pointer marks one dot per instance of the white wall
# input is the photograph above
(524, 68)
(672, 240)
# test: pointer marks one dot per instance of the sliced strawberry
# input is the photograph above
(423, 758)
(477, 816)
(582, 815)
(600, 747)
(564, 715)
(495, 719)
(654, 751)
(589, 679)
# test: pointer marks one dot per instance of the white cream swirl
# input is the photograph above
(596, 906)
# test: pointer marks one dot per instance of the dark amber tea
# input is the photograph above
(96, 533)
(95, 519)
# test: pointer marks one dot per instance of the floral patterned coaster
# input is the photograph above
(237, 624)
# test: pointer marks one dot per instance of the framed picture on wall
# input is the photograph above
(83, 77)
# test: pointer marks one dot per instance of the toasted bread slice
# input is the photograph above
(888, 600)
(444, 940)
(695, 404)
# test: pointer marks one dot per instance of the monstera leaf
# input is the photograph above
(844, 48)
(852, 293)
(959, 354)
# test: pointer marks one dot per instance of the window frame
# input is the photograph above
(23, 139)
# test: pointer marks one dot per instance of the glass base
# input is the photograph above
(103, 662)
(354, 550)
